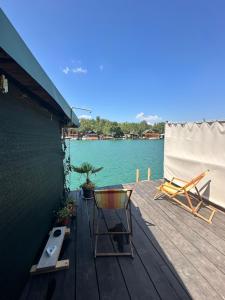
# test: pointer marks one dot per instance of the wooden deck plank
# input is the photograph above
(208, 270)
(196, 224)
(141, 285)
(110, 278)
(166, 282)
(60, 285)
(201, 228)
(63, 284)
(218, 227)
(86, 277)
(174, 246)
(177, 256)
(218, 223)
(38, 287)
(168, 265)
(204, 244)
(207, 231)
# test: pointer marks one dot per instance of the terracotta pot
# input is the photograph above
(63, 221)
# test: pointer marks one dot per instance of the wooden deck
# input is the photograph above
(176, 256)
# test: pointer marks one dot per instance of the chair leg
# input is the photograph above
(131, 246)
(197, 207)
(128, 232)
(95, 232)
(189, 202)
(93, 224)
(158, 194)
(209, 220)
(186, 207)
(130, 228)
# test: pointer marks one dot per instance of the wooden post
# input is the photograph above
(137, 175)
(149, 174)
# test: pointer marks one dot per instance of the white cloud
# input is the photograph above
(79, 70)
(101, 67)
(150, 119)
(66, 70)
(140, 115)
(88, 117)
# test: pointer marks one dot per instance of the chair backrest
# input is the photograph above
(190, 185)
(112, 198)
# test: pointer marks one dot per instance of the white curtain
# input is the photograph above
(192, 148)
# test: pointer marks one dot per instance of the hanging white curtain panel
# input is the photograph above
(192, 148)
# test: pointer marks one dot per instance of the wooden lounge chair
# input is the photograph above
(113, 199)
(179, 187)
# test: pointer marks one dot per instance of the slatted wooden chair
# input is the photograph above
(112, 199)
(179, 187)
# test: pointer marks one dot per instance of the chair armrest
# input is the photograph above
(178, 179)
(175, 188)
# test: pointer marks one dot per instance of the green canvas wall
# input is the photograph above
(31, 184)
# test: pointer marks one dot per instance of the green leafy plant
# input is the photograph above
(71, 205)
(87, 170)
(63, 213)
(70, 200)
(67, 170)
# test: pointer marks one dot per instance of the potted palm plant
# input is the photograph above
(87, 170)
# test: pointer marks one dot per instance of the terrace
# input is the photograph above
(176, 256)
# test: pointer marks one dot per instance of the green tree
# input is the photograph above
(106, 127)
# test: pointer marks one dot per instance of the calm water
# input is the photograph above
(120, 160)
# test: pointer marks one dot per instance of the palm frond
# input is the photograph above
(78, 170)
(95, 170)
(84, 168)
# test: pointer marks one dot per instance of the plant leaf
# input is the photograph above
(95, 170)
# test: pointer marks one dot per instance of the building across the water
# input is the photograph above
(32, 116)
(90, 136)
(71, 133)
(132, 135)
(106, 137)
(151, 135)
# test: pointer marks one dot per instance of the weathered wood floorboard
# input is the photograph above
(218, 225)
(86, 276)
(196, 285)
(202, 230)
(190, 252)
(110, 278)
(163, 275)
(176, 256)
(194, 230)
(137, 279)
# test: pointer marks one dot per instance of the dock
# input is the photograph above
(176, 256)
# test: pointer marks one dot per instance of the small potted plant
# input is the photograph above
(70, 204)
(63, 216)
(87, 170)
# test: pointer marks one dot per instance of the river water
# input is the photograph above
(120, 159)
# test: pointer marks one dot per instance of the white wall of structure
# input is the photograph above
(192, 148)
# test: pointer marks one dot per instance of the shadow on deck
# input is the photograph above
(176, 256)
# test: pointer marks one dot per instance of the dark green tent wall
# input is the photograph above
(32, 115)
(31, 185)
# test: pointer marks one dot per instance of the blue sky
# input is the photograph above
(158, 60)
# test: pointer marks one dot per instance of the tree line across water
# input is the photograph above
(106, 127)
